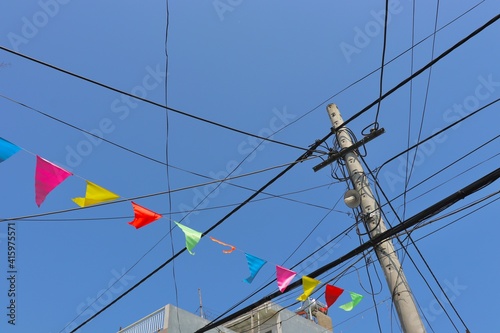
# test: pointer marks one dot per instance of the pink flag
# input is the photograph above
(284, 277)
(47, 177)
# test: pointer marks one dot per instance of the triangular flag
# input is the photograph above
(94, 195)
(192, 237)
(47, 177)
(284, 277)
(143, 216)
(356, 298)
(254, 265)
(308, 284)
(232, 248)
(7, 149)
(331, 294)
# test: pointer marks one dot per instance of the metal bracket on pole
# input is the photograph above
(336, 155)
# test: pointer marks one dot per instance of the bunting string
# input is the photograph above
(48, 176)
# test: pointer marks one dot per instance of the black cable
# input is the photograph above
(143, 196)
(410, 102)
(436, 134)
(424, 214)
(345, 232)
(211, 122)
(275, 178)
(140, 154)
(454, 221)
(421, 70)
(372, 292)
(426, 94)
(421, 257)
(446, 167)
(169, 195)
(384, 45)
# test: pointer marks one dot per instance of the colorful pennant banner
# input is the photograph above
(7, 149)
(254, 265)
(356, 298)
(284, 277)
(47, 177)
(192, 237)
(332, 293)
(231, 248)
(143, 216)
(94, 195)
(308, 284)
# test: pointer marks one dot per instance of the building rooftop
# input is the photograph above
(267, 318)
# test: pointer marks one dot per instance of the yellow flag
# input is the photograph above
(94, 195)
(308, 284)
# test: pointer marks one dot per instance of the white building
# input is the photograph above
(267, 318)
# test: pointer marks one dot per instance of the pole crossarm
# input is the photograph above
(335, 155)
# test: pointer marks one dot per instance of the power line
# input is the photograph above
(211, 122)
(421, 70)
(153, 194)
(301, 158)
(384, 45)
(423, 215)
(437, 133)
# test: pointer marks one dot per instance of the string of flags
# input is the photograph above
(48, 176)
(284, 276)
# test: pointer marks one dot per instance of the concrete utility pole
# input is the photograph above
(401, 295)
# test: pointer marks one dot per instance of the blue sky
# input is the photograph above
(259, 67)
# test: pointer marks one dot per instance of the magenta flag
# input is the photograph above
(47, 177)
(284, 277)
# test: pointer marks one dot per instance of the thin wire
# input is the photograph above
(421, 70)
(312, 230)
(169, 195)
(448, 166)
(426, 94)
(435, 134)
(271, 196)
(382, 66)
(410, 105)
(456, 220)
(146, 100)
(152, 194)
(142, 155)
(456, 176)
(218, 223)
(423, 259)
(372, 291)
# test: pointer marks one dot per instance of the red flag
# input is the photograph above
(332, 293)
(143, 216)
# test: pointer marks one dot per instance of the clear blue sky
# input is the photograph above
(255, 66)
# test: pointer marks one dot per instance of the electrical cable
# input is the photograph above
(169, 195)
(384, 45)
(271, 196)
(275, 178)
(81, 77)
(424, 214)
(421, 70)
(426, 95)
(436, 134)
(424, 260)
(448, 166)
(148, 195)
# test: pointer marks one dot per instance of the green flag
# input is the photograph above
(192, 237)
(356, 298)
